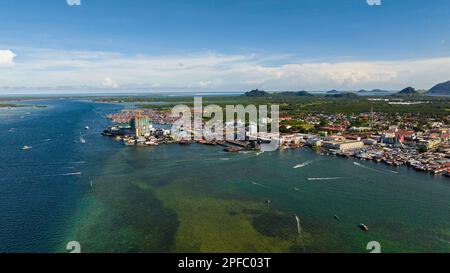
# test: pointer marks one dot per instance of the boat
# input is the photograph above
(87, 128)
(233, 149)
(130, 142)
(82, 140)
(302, 165)
(336, 217)
(363, 227)
(26, 147)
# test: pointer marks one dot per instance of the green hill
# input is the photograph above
(256, 93)
(408, 91)
(440, 89)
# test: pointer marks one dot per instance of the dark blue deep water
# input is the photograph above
(38, 187)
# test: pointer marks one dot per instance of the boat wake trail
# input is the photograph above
(47, 175)
(302, 165)
(32, 164)
(260, 185)
(373, 169)
(299, 228)
(324, 178)
(63, 174)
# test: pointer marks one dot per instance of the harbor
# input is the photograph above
(171, 190)
(428, 152)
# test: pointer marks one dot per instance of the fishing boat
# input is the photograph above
(233, 149)
(363, 227)
(336, 217)
(26, 147)
(87, 128)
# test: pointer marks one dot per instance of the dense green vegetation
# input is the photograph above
(294, 106)
(9, 105)
(297, 105)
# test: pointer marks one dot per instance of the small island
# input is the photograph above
(12, 105)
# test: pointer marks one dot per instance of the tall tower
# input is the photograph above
(138, 124)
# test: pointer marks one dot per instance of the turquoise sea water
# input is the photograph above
(197, 198)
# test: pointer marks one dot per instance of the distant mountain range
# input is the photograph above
(261, 93)
(408, 91)
(373, 91)
(257, 93)
(440, 89)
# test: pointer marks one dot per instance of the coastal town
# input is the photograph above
(407, 139)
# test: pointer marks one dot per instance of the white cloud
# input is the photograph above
(109, 83)
(212, 71)
(7, 57)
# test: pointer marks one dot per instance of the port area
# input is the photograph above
(158, 136)
(139, 131)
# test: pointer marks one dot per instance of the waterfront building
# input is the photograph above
(343, 145)
(315, 142)
(430, 144)
(291, 139)
(142, 126)
(334, 138)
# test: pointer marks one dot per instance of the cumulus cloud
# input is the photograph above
(7, 57)
(109, 83)
(214, 71)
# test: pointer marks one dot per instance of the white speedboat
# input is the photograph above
(26, 147)
(302, 165)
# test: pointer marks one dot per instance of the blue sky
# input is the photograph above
(224, 44)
